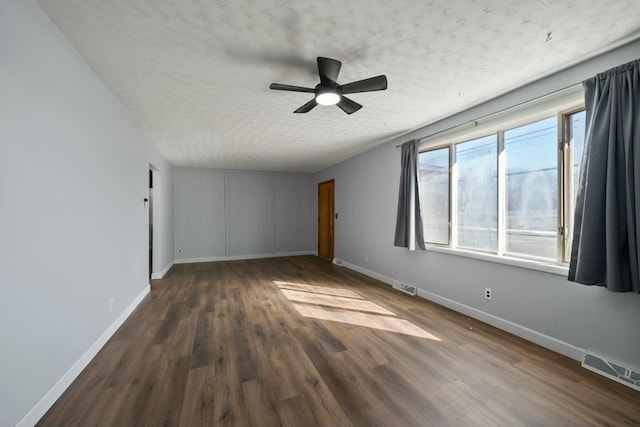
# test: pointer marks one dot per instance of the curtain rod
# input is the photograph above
(505, 110)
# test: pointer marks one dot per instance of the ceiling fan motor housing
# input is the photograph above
(328, 94)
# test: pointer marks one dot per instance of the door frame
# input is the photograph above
(155, 218)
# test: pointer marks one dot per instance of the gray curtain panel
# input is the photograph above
(605, 238)
(409, 221)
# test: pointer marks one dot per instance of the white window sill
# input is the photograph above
(548, 267)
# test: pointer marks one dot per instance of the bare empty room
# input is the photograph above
(319, 213)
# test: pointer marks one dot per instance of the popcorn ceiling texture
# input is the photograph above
(195, 74)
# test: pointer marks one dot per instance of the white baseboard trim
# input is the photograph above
(242, 257)
(54, 393)
(372, 274)
(536, 337)
(163, 272)
(541, 339)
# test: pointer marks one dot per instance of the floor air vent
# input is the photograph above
(407, 289)
(612, 369)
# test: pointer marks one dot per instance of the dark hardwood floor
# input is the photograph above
(251, 343)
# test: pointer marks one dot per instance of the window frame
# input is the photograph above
(562, 109)
(566, 188)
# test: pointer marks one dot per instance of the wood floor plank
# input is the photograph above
(198, 403)
(167, 386)
(183, 336)
(141, 385)
(263, 411)
(271, 367)
(295, 412)
(203, 348)
(103, 410)
(357, 341)
(414, 399)
(229, 407)
(298, 341)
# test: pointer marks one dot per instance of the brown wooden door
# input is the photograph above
(325, 220)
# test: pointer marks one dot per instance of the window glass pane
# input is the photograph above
(532, 189)
(477, 210)
(434, 191)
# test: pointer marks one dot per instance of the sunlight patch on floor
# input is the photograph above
(385, 323)
(317, 289)
(343, 305)
(338, 302)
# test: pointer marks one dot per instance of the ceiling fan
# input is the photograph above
(329, 92)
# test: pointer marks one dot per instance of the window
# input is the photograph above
(531, 192)
(434, 193)
(509, 193)
(477, 189)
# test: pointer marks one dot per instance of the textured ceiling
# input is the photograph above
(195, 74)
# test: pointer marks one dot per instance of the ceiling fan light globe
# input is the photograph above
(327, 98)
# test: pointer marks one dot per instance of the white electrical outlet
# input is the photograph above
(366, 258)
(488, 293)
(111, 301)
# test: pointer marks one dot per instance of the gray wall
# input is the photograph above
(73, 226)
(532, 303)
(233, 214)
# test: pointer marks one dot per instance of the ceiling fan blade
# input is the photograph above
(307, 107)
(366, 85)
(278, 86)
(328, 69)
(348, 106)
